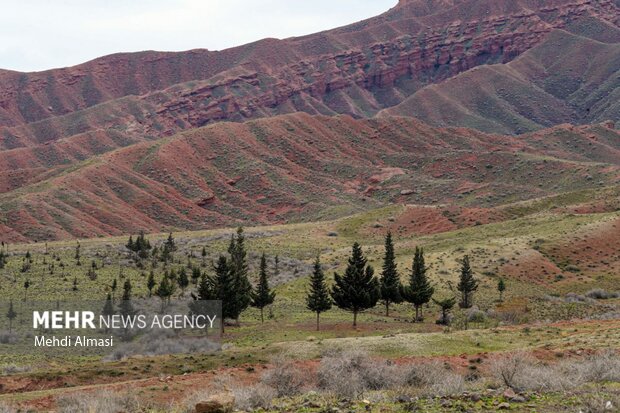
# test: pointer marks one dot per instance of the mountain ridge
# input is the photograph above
(357, 69)
(299, 167)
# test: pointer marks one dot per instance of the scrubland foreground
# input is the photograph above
(547, 342)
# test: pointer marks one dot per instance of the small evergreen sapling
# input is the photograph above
(468, 285)
(318, 299)
(501, 287)
(262, 296)
(419, 291)
(390, 279)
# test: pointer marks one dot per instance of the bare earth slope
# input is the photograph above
(566, 78)
(299, 167)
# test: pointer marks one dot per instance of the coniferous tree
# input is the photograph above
(446, 306)
(358, 289)
(468, 285)
(164, 291)
(26, 286)
(150, 283)
(195, 275)
(318, 299)
(113, 287)
(77, 254)
(130, 244)
(3, 259)
(262, 296)
(224, 289)
(126, 306)
(170, 246)
(183, 280)
(205, 293)
(419, 291)
(75, 284)
(11, 315)
(108, 309)
(390, 280)
(239, 268)
(501, 287)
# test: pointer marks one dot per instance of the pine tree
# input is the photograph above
(26, 286)
(108, 309)
(130, 244)
(195, 275)
(419, 291)
(77, 254)
(390, 280)
(318, 299)
(206, 292)
(150, 283)
(263, 296)
(468, 285)
(170, 246)
(183, 280)
(126, 306)
(11, 315)
(75, 284)
(224, 289)
(501, 287)
(239, 269)
(113, 287)
(164, 291)
(446, 306)
(357, 290)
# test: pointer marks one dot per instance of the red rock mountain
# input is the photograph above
(358, 69)
(143, 140)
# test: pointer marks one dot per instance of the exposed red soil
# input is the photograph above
(593, 251)
(289, 167)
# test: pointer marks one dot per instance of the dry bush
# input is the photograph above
(254, 397)
(103, 402)
(6, 408)
(600, 294)
(350, 373)
(9, 369)
(596, 368)
(285, 378)
(521, 372)
(162, 342)
(434, 378)
(600, 403)
(188, 404)
(7, 337)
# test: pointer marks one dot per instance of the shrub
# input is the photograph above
(254, 397)
(434, 378)
(14, 369)
(599, 403)
(8, 337)
(474, 315)
(521, 372)
(350, 373)
(600, 294)
(285, 378)
(103, 402)
(6, 408)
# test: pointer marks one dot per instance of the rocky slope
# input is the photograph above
(571, 77)
(358, 70)
(298, 167)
